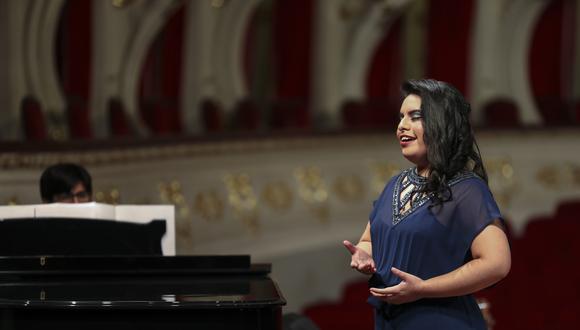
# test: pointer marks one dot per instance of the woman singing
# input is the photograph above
(435, 234)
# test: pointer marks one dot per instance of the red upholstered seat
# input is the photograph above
(569, 210)
(212, 115)
(118, 122)
(246, 115)
(501, 112)
(351, 312)
(79, 124)
(353, 113)
(33, 121)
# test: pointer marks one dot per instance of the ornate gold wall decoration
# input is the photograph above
(278, 196)
(218, 3)
(111, 196)
(170, 193)
(12, 200)
(121, 3)
(548, 176)
(576, 176)
(312, 190)
(349, 188)
(502, 180)
(242, 199)
(382, 173)
(209, 205)
(560, 176)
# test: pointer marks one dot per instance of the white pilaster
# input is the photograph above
(328, 59)
(12, 83)
(198, 80)
(112, 30)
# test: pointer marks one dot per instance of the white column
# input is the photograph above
(111, 35)
(415, 35)
(198, 80)
(517, 33)
(12, 83)
(328, 57)
(488, 65)
(500, 55)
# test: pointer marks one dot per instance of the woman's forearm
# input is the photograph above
(469, 278)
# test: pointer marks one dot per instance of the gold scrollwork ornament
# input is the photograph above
(209, 206)
(349, 188)
(242, 199)
(312, 190)
(278, 196)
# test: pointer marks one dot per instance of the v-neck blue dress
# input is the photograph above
(427, 242)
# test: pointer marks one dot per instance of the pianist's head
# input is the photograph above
(66, 183)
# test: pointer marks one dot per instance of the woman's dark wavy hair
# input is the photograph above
(447, 133)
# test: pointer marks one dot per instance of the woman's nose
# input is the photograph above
(403, 125)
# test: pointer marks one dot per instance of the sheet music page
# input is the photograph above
(17, 211)
(146, 213)
(91, 210)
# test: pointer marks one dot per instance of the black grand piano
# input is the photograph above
(121, 280)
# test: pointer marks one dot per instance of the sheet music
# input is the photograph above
(93, 210)
(146, 213)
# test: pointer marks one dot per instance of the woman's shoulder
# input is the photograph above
(467, 178)
(466, 182)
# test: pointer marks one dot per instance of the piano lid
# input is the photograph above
(23, 266)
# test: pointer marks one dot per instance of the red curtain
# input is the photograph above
(74, 49)
(160, 85)
(545, 52)
(449, 27)
(292, 53)
(549, 58)
(384, 79)
(385, 72)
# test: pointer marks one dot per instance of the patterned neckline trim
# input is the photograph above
(413, 178)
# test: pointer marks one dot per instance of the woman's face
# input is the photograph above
(410, 132)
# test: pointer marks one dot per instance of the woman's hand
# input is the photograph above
(410, 289)
(360, 260)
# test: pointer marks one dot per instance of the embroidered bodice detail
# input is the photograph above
(408, 195)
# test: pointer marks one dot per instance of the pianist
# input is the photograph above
(66, 183)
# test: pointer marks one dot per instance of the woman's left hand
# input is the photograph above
(410, 289)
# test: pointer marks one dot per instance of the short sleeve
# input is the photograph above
(471, 209)
(373, 211)
(383, 198)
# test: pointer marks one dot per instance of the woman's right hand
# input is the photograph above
(360, 259)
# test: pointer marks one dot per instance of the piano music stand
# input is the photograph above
(69, 236)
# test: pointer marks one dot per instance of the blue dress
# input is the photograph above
(427, 242)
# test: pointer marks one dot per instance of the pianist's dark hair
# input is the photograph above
(61, 179)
